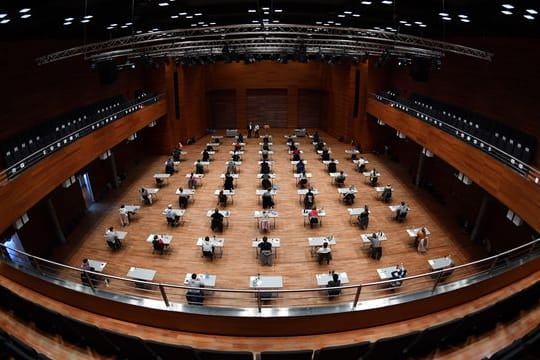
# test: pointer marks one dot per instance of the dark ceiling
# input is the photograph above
(413, 17)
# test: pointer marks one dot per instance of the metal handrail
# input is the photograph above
(509, 160)
(14, 170)
(482, 269)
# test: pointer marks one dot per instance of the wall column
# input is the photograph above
(54, 220)
(480, 217)
(114, 172)
(419, 170)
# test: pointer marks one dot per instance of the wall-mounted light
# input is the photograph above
(427, 153)
(152, 124)
(105, 155)
(514, 218)
(379, 122)
(400, 135)
(132, 137)
(69, 181)
(19, 223)
(464, 179)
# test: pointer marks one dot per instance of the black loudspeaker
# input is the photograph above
(107, 72)
(176, 96)
(356, 93)
(420, 69)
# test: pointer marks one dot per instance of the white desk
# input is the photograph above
(394, 208)
(196, 176)
(270, 162)
(297, 176)
(335, 175)
(217, 137)
(318, 241)
(366, 241)
(269, 144)
(386, 273)
(269, 152)
(141, 274)
(368, 174)
(303, 192)
(294, 163)
(270, 176)
(238, 152)
(381, 188)
(260, 192)
(217, 243)
(320, 152)
(121, 235)
(236, 163)
(178, 212)
(276, 243)
(166, 238)
(229, 193)
(266, 282)
(354, 213)
(272, 214)
(323, 279)
(441, 263)
(97, 265)
(305, 214)
(413, 232)
(207, 280)
(343, 191)
(152, 192)
(326, 162)
(186, 192)
(132, 208)
(352, 152)
(356, 162)
(213, 144)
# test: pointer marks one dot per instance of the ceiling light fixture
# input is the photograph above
(84, 21)
(26, 16)
(25, 10)
(462, 16)
(447, 18)
(443, 14)
(355, 15)
(5, 21)
(506, 12)
(2, 16)
(88, 17)
(366, 2)
(163, 4)
(386, 2)
(528, 17)
(67, 23)
(182, 13)
(278, 10)
(532, 11)
(507, 6)
(266, 8)
(465, 20)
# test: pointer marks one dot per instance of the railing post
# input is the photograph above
(533, 246)
(492, 266)
(89, 281)
(259, 300)
(357, 296)
(437, 281)
(163, 294)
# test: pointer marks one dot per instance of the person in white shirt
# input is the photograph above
(146, 197)
(208, 248)
(361, 164)
(112, 239)
(124, 216)
(172, 217)
(195, 296)
(402, 211)
(324, 253)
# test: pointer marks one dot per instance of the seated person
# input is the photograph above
(398, 274)
(205, 156)
(231, 167)
(267, 199)
(264, 154)
(340, 179)
(421, 234)
(309, 200)
(401, 212)
(217, 221)
(237, 146)
(159, 181)
(195, 295)
(158, 244)
(182, 199)
(222, 199)
(300, 167)
(316, 137)
(199, 167)
(361, 165)
(335, 282)
(423, 245)
(264, 221)
(324, 253)
(86, 278)
(208, 248)
(228, 184)
(266, 140)
(319, 146)
(265, 167)
(303, 180)
(192, 181)
(376, 248)
(266, 251)
(240, 138)
(296, 155)
(124, 216)
(387, 193)
(235, 156)
(348, 197)
(313, 216)
(112, 239)
(209, 148)
(363, 218)
(145, 196)
(171, 216)
(169, 167)
(266, 183)
(325, 155)
(265, 146)
(332, 166)
(176, 154)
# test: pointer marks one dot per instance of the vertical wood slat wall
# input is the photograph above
(222, 104)
(311, 107)
(267, 106)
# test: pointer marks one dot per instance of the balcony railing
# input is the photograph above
(516, 164)
(270, 302)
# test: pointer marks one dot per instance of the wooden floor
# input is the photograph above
(294, 262)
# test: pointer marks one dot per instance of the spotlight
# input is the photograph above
(283, 59)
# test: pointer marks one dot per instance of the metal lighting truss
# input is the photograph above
(254, 38)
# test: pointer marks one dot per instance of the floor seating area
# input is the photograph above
(27, 148)
(415, 344)
(469, 127)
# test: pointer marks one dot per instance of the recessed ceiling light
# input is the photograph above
(67, 23)
(337, 24)
(200, 22)
(2, 16)
(254, 21)
(84, 21)
(266, 20)
(108, 27)
(266, 8)
(443, 14)
(326, 24)
(278, 10)
(25, 16)
(88, 17)
(418, 22)
(189, 17)
(212, 23)
(129, 23)
(25, 10)
(252, 10)
(319, 23)
(366, 2)
(386, 2)
(423, 25)
(123, 26)
(193, 25)
(506, 12)
(356, 15)
(182, 13)
(347, 12)
(275, 21)
(5, 21)
(155, 29)
(465, 20)
(528, 17)
(113, 25)
(462, 16)
(163, 4)
(69, 19)
(507, 6)
(402, 21)
(266, 12)
(532, 11)
(407, 24)
(139, 32)
(447, 18)
(330, 22)
(198, 14)
(341, 15)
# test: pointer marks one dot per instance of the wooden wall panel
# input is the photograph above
(222, 109)
(24, 191)
(311, 106)
(513, 190)
(267, 106)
